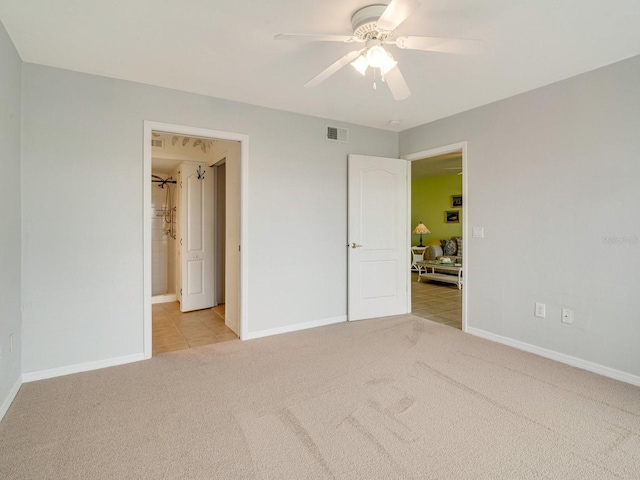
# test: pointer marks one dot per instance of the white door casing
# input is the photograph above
(378, 258)
(196, 237)
(232, 240)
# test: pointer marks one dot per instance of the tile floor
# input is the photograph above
(174, 330)
(438, 302)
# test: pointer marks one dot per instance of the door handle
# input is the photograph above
(354, 245)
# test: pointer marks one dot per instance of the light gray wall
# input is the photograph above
(553, 176)
(82, 211)
(10, 234)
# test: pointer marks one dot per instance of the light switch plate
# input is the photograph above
(478, 232)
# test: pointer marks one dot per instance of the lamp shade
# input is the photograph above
(376, 55)
(421, 228)
(360, 64)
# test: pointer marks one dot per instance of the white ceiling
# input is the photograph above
(225, 48)
(439, 166)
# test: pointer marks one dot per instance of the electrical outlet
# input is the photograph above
(567, 315)
(540, 310)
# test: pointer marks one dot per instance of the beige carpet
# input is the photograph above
(389, 398)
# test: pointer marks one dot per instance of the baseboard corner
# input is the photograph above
(81, 367)
(4, 408)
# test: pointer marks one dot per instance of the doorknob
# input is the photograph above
(354, 245)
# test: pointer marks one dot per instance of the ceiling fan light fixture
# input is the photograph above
(376, 54)
(388, 64)
(360, 64)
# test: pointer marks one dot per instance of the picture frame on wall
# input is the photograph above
(452, 216)
(456, 201)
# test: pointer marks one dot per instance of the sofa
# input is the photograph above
(448, 248)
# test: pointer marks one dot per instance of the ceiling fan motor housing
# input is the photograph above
(364, 22)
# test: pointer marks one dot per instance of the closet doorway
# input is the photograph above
(193, 232)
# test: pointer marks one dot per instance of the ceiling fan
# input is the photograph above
(374, 26)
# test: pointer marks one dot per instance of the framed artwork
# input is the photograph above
(456, 201)
(452, 216)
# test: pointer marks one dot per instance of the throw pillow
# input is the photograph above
(450, 247)
(459, 242)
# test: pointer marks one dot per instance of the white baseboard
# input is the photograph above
(82, 367)
(558, 357)
(12, 395)
(294, 328)
(171, 297)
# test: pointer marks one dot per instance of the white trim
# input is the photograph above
(294, 328)
(409, 242)
(150, 126)
(12, 395)
(558, 357)
(433, 152)
(170, 297)
(81, 367)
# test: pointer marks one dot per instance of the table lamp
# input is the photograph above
(420, 229)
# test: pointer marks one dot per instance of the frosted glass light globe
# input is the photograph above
(376, 56)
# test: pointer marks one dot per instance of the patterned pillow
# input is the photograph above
(450, 247)
(459, 242)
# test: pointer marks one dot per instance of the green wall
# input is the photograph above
(430, 198)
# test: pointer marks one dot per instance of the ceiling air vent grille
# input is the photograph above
(157, 142)
(335, 134)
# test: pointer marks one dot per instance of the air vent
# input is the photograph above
(157, 142)
(335, 134)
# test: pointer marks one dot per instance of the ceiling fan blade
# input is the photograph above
(463, 46)
(333, 68)
(397, 85)
(313, 37)
(397, 12)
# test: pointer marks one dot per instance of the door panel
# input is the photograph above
(196, 230)
(378, 261)
(195, 273)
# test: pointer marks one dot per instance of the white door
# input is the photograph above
(196, 237)
(378, 263)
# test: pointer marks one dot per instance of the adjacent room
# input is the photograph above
(436, 257)
(319, 294)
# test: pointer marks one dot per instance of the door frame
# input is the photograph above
(219, 280)
(433, 152)
(185, 130)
